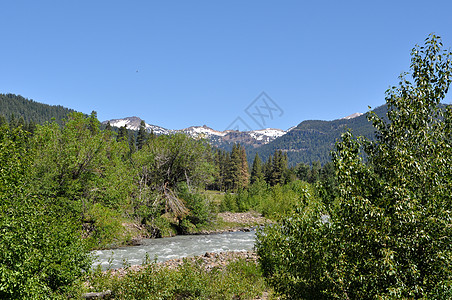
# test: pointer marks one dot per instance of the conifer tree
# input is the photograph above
(123, 134)
(142, 135)
(268, 169)
(256, 171)
(93, 123)
(108, 126)
(152, 135)
(234, 167)
(244, 176)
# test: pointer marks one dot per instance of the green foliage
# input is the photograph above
(273, 202)
(17, 107)
(405, 189)
(104, 226)
(292, 255)
(228, 203)
(389, 235)
(238, 280)
(79, 163)
(256, 170)
(142, 136)
(231, 169)
(41, 251)
(313, 140)
(164, 164)
(200, 209)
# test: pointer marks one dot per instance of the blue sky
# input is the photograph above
(182, 63)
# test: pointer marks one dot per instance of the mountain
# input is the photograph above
(221, 139)
(133, 123)
(313, 140)
(352, 116)
(309, 141)
(31, 111)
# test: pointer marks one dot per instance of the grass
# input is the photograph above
(216, 197)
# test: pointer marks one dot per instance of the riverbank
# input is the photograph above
(225, 275)
(208, 262)
(224, 222)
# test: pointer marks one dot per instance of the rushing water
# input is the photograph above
(174, 247)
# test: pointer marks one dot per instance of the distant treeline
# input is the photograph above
(16, 108)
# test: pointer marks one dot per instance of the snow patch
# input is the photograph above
(352, 116)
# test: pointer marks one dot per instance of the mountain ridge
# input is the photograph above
(255, 138)
(309, 141)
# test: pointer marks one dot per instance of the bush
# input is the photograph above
(106, 228)
(389, 234)
(238, 280)
(291, 253)
(273, 202)
(41, 251)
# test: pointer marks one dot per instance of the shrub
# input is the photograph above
(389, 235)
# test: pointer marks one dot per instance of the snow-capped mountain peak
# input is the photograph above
(197, 131)
(133, 123)
(254, 137)
(352, 116)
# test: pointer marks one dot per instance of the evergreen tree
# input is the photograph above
(3, 120)
(94, 125)
(302, 171)
(268, 166)
(152, 135)
(142, 135)
(256, 170)
(314, 173)
(123, 134)
(244, 173)
(278, 168)
(108, 126)
(235, 164)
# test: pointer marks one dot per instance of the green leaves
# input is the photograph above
(400, 188)
(389, 235)
(41, 253)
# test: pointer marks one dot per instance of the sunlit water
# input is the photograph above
(174, 247)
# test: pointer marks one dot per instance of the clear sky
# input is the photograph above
(182, 63)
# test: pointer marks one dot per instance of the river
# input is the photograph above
(174, 247)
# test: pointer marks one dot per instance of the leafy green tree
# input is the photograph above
(41, 250)
(164, 164)
(389, 235)
(78, 164)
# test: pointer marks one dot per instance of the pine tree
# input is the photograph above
(268, 169)
(152, 135)
(244, 173)
(256, 171)
(234, 167)
(93, 123)
(142, 136)
(123, 134)
(278, 168)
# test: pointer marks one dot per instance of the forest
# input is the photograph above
(375, 222)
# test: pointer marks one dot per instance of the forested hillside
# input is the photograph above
(313, 140)
(30, 111)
